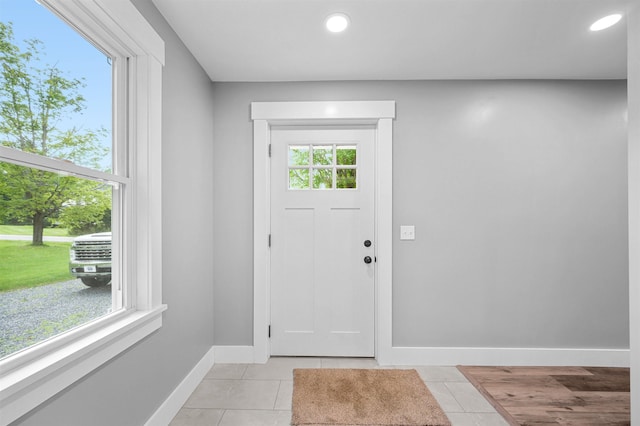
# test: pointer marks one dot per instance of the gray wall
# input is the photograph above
(517, 190)
(129, 389)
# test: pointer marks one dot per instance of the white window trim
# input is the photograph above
(34, 375)
(267, 114)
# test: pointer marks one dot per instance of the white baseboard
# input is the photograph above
(234, 354)
(510, 356)
(170, 407)
(469, 356)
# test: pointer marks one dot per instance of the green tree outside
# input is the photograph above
(33, 101)
(322, 157)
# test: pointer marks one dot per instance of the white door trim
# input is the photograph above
(266, 114)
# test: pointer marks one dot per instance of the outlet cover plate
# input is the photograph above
(407, 232)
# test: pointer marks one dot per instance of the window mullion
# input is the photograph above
(311, 169)
(54, 165)
(334, 173)
(120, 84)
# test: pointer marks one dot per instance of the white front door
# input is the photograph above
(322, 242)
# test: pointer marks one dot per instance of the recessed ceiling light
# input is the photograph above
(337, 22)
(605, 22)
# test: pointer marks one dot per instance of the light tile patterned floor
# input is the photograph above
(260, 394)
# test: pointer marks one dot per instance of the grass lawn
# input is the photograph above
(28, 230)
(23, 265)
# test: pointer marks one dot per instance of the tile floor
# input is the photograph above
(260, 394)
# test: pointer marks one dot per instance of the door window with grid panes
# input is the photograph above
(327, 166)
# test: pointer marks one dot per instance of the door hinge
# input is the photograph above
(269, 240)
(269, 150)
(269, 331)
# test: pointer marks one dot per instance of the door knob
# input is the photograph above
(367, 259)
(367, 243)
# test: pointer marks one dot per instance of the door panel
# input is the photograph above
(298, 283)
(322, 211)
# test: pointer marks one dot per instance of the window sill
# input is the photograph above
(28, 385)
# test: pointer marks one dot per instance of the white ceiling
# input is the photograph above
(285, 40)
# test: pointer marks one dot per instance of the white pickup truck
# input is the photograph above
(90, 259)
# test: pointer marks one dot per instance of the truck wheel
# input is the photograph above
(95, 282)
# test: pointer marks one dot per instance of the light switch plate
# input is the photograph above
(407, 232)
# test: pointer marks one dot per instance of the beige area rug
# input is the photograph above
(363, 397)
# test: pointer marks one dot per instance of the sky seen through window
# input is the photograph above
(74, 56)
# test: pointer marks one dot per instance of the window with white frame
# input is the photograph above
(56, 222)
(127, 181)
(325, 166)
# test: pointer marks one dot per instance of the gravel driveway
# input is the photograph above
(30, 315)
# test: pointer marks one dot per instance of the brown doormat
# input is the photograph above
(555, 395)
(363, 397)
